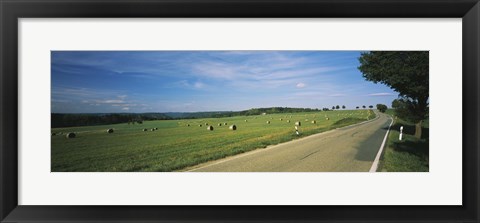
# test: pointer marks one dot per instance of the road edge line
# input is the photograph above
(380, 151)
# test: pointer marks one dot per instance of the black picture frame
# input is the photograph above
(12, 10)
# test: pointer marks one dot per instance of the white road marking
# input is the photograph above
(377, 158)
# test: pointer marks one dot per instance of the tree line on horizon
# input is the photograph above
(59, 120)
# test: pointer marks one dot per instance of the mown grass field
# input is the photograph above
(410, 154)
(175, 145)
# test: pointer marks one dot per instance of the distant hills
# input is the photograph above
(86, 119)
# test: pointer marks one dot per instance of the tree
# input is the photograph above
(370, 106)
(382, 108)
(396, 103)
(333, 107)
(357, 107)
(337, 107)
(364, 106)
(343, 107)
(406, 72)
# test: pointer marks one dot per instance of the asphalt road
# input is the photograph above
(347, 149)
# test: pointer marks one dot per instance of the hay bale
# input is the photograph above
(233, 127)
(306, 120)
(268, 122)
(288, 121)
(206, 123)
(200, 125)
(225, 123)
(210, 128)
(144, 130)
(156, 128)
(246, 120)
(281, 119)
(327, 119)
(313, 122)
(219, 124)
(109, 130)
(70, 135)
(188, 125)
(298, 123)
(152, 130)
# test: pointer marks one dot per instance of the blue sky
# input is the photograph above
(190, 81)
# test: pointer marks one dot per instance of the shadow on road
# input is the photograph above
(368, 149)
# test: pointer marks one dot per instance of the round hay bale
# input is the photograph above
(210, 128)
(327, 119)
(233, 127)
(288, 121)
(268, 122)
(156, 128)
(109, 130)
(200, 125)
(225, 123)
(188, 124)
(313, 122)
(206, 123)
(281, 119)
(219, 124)
(70, 135)
(298, 123)
(306, 120)
(152, 130)
(246, 120)
(144, 130)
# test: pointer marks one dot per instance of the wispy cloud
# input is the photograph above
(337, 95)
(300, 85)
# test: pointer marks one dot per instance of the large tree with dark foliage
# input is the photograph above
(406, 72)
(382, 108)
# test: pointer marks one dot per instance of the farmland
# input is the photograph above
(177, 144)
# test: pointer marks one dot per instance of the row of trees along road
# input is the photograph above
(406, 72)
(370, 106)
(338, 107)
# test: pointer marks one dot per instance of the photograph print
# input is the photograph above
(239, 111)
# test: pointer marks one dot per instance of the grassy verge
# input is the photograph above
(410, 154)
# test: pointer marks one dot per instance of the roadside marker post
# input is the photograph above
(401, 133)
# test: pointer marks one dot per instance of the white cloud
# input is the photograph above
(112, 101)
(300, 85)
(199, 85)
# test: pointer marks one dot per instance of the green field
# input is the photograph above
(410, 154)
(175, 145)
